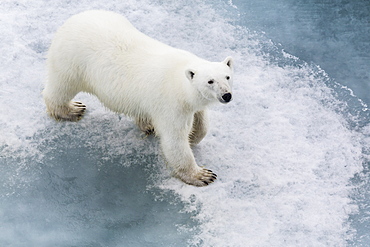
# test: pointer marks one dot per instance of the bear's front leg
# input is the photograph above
(179, 156)
(200, 127)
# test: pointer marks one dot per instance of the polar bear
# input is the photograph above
(166, 90)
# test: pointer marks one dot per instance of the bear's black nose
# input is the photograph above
(226, 97)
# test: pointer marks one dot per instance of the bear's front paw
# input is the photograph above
(202, 177)
(207, 177)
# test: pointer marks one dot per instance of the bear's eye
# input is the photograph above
(210, 82)
(227, 77)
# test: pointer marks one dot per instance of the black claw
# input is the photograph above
(209, 170)
(149, 131)
(214, 177)
(205, 182)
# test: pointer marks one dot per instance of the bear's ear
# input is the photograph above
(190, 74)
(229, 62)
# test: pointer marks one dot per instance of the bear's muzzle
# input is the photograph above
(226, 98)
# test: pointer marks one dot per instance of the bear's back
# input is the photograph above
(102, 53)
(98, 28)
(107, 34)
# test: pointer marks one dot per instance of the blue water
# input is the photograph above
(335, 35)
(332, 34)
(291, 150)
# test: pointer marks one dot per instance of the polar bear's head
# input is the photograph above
(213, 80)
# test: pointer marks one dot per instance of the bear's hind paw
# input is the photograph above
(73, 112)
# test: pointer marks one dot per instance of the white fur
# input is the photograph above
(164, 88)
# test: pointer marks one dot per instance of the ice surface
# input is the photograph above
(290, 150)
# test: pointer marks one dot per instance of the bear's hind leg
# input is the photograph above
(58, 102)
(200, 127)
